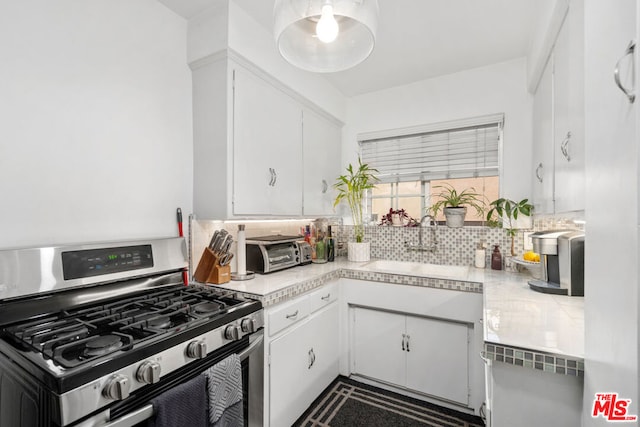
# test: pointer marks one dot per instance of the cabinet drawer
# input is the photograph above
(287, 314)
(323, 296)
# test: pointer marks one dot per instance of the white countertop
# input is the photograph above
(514, 315)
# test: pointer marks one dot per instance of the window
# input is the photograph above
(413, 162)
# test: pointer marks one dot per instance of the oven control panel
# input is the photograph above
(95, 262)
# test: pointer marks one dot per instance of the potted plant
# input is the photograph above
(454, 204)
(507, 211)
(398, 217)
(352, 187)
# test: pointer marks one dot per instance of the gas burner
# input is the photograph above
(160, 322)
(208, 307)
(101, 345)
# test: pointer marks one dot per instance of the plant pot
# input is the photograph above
(455, 216)
(359, 252)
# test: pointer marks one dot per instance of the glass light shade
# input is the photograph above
(295, 24)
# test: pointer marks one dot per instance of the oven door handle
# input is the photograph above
(146, 412)
(132, 418)
(258, 339)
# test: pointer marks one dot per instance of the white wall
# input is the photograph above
(95, 100)
(499, 88)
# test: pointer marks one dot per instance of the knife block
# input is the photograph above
(209, 269)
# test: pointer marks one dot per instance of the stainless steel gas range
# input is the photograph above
(90, 334)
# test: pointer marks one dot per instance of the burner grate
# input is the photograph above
(74, 337)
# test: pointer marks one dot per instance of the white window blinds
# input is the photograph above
(458, 149)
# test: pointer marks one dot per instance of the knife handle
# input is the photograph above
(179, 215)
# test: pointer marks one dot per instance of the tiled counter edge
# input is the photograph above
(530, 359)
(522, 357)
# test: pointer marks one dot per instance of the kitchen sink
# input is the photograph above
(453, 272)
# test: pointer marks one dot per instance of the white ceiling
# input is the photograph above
(419, 39)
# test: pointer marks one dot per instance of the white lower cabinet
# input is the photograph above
(531, 398)
(303, 360)
(419, 353)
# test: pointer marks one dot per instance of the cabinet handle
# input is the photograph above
(275, 177)
(616, 72)
(408, 338)
(326, 297)
(403, 338)
(325, 186)
(538, 172)
(312, 358)
(292, 316)
(271, 179)
(564, 147)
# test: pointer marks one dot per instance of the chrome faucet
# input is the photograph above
(432, 224)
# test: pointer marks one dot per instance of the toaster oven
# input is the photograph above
(267, 254)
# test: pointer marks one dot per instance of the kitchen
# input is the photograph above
(97, 98)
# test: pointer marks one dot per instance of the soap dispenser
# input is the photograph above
(496, 258)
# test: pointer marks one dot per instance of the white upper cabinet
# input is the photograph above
(568, 106)
(543, 142)
(558, 122)
(321, 151)
(249, 135)
(267, 148)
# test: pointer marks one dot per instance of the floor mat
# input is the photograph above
(348, 403)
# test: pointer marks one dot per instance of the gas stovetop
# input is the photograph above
(77, 337)
(93, 309)
(75, 346)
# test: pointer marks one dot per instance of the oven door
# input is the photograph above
(136, 410)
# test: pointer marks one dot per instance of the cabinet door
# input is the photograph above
(267, 149)
(303, 362)
(568, 107)
(290, 356)
(325, 343)
(438, 358)
(542, 192)
(378, 345)
(321, 152)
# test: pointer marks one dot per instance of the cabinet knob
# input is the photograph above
(325, 186)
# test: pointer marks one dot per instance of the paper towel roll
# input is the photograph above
(241, 256)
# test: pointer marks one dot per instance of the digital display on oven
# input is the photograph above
(96, 262)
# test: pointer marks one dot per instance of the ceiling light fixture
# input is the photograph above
(325, 35)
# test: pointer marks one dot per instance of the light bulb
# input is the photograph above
(327, 27)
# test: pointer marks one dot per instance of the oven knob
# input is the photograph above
(248, 325)
(232, 332)
(148, 372)
(197, 350)
(117, 387)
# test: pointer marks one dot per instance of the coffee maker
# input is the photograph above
(561, 260)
